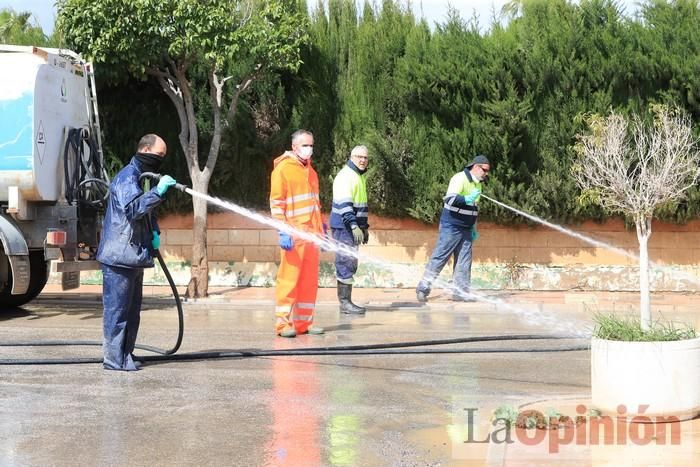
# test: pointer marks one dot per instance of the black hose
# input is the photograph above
(79, 169)
(176, 295)
(396, 348)
(100, 182)
(156, 177)
(180, 314)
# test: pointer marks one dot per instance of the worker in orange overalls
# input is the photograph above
(294, 199)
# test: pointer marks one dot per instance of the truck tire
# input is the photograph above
(39, 275)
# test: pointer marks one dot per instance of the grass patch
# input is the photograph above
(621, 328)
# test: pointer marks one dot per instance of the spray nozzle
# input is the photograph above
(156, 177)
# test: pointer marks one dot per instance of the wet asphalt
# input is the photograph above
(296, 410)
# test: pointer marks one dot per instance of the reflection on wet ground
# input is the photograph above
(326, 410)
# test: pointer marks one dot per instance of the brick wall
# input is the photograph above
(235, 238)
(244, 253)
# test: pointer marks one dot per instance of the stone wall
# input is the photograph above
(243, 253)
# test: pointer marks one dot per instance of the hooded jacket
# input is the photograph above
(126, 234)
(294, 194)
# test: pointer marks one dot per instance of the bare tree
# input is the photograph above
(631, 168)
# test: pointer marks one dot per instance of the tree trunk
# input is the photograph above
(643, 233)
(198, 286)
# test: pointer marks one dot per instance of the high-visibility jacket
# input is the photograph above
(294, 197)
(455, 210)
(349, 198)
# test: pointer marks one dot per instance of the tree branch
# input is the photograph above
(217, 101)
(636, 168)
(170, 86)
(247, 81)
(191, 147)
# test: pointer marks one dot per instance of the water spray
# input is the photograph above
(564, 230)
(329, 244)
(592, 241)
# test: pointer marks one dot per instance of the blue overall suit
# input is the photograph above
(125, 250)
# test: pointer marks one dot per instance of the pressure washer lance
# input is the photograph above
(156, 177)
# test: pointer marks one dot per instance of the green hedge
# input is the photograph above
(425, 100)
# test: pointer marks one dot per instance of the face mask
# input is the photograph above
(149, 162)
(305, 152)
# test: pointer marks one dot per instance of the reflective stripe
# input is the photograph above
(299, 317)
(342, 210)
(362, 214)
(278, 202)
(305, 210)
(277, 211)
(302, 197)
(460, 211)
(360, 205)
(283, 308)
(450, 195)
(310, 306)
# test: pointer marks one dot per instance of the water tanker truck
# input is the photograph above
(52, 177)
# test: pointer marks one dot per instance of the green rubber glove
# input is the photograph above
(470, 198)
(165, 182)
(155, 242)
(475, 234)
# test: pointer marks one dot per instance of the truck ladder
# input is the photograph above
(93, 112)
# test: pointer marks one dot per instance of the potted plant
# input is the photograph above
(633, 168)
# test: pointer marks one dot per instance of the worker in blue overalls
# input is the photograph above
(130, 236)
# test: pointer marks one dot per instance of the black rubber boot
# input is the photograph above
(345, 299)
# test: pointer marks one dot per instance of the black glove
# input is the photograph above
(365, 235)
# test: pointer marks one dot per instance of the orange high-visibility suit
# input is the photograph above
(294, 199)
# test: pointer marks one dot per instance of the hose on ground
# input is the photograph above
(394, 348)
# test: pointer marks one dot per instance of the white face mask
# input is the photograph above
(481, 176)
(305, 152)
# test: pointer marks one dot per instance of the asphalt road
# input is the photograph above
(320, 410)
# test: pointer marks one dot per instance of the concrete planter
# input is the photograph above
(665, 376)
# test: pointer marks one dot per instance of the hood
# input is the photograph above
(287, 155)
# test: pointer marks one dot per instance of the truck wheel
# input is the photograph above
(39, 275)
